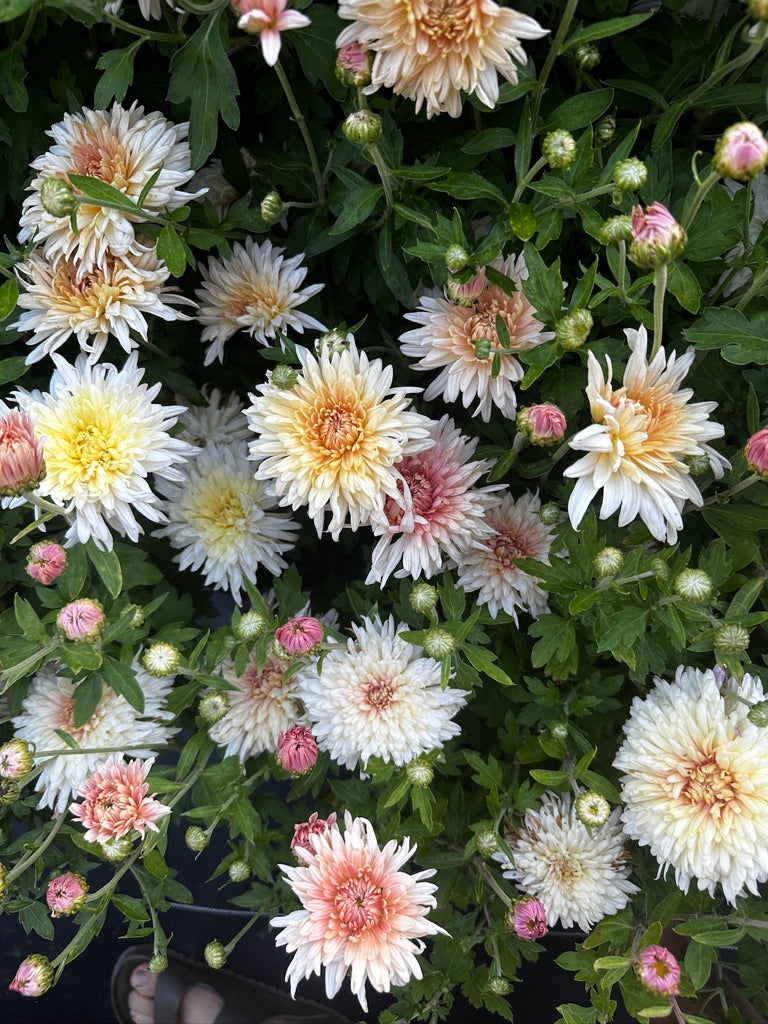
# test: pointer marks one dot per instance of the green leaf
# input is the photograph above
(726, 937)
(557, 639)
(122, 679)
(11, 369)
(95, 188)
(604, 29)
(117, 66)
(604, 963)
(544, 286)
(485, 661)
(619, 628)
(740, 340)
(9, 295)
(522, 220)
(107, 565)
(698, 962)
(154, 862)
(87, 696)
(33, 918)
(489, 140)
(547, 777)
(662, 1010)
(10, 9)
(684, 285)
(359, 204)
(468, 186)
(170, 249)
(202, 73)
(130, 907)
(29, 621)
(579, 111)
(12, 75)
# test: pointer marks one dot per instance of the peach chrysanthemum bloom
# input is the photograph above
(641, 437)
(695, 781)
(115, 801)
(430, 52)
(123, 148)
(333, 441)
(445, 341)
(21, 453)
(361, 914)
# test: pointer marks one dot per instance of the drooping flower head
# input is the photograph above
(256, 290)
(115, 801)
(33, 977)
(104, 435)
(448, 333)
(46, 561)
(378, 697)
(641, 436)
(334, 440)
(695, 781)
(268, 18)
(658, 970)
(430, 52)
(21, 453)
(361, 914)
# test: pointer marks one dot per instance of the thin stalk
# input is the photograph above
(22, 866)
(621, 276)
(93, 750)
(159, 941)
(600, 190)
(488, 877)
(528, 177)
(554, 53)
(246, 928)
(733, 65)
(299, 117)
(374, 153)
(46, 506)
(145, 33)
(757, 286)
(699, 198)
(747, 217)
(659, 288)
(724, 495)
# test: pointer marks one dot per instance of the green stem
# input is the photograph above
(747, 212)
(757, 286)
(733, 65)
(562, 30)
(374, 154)
(621, 276)
(159, 941)
(38, 851)
(29, 23)
(91, 750)
(528, 177)
(600, 190)
(246, 928)
(299, 117)
(698, 199)
(45, 505)
(33, 659)
(724, 495)
(145, 33)
(659, 288)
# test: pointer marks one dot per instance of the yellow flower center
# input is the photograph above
(93, 449)
(336, 427)
(710, 786)
(102, 158)
(450, 24)
(89, 296)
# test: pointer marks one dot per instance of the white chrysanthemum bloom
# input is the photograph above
(123, 148)
(257, 290)
(695, 781)
(262, 704)
(103, 437)
(49, 705)
(638, 444)
(110, 299)
(580, 875)
(221, 421)
(441, 512)
(333, 441)
(489, 565)
(219, 519)
(431, 52)
(445, 341)
(378, 697)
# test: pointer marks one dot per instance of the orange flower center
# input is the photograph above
(482, 323)
(359, 903)
(450, 24)
(104, 159)
(507, 547)
(710, 786)
(337, 427)
(379, 693)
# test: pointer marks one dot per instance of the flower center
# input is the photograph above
(93, 450)
(260, 683)
(565, 870)
(99, 158)
(507, 547)
(482, 323)
(337, 428)
(448, 23)
(359, 903)
(379, 693)
(710, 786)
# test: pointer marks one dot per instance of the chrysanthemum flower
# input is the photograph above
(66, 894)
(46, 561)
(489, 565)
(103, 436)
(123, 148)
(49, 705)
(21, 453)
(378, 697)
(440, 511)
(658, 970)
(361, 914)
(221, 421)
(219, 519)
(431, 52)
(257, 290)
(115, 801)
(333, 441)
(580, 875)
(445, 341)
(640, 438)
(314, 826)
(110, 299)
(262, 704)
(268, 18)
(695, 782)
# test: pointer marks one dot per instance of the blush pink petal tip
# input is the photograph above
(268, 18)
(529, 919)
(297, 750)
(115, 801)
(46, 561)
(66, 894)
(300, 635)
(21, 454)
(756, 453)
(302, 833)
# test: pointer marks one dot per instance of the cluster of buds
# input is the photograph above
(573, 330)
(741, 152)
(559, 149)
(81, 620)
(297, 750)
(657, 238)
(21, 455)
(542, 424)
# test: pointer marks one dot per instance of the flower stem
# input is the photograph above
(38, 851)
(659, 288)
(92, 750)
(554, 52)
(724, 495)
(488, 877)
(246, 927)
(621, 276)
(698, 199)
(528, 177)
(757, 286)
(296, 111)
(374, 153)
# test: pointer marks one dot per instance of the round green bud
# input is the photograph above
(272, 208)
(158, 963)
(559, 149)
(630, 174)
(115, 850)
(16, 759)
(161, 659)
(693, 585)
(698, 465)
(608, 562)
(482, 348)
(284, 377)
(487, 842)
(758, 9)
(659, 568)
(195, 838)
(731, 638)
(363, 127)
(559, 731)
(239, 871)
(57, 197)
(251, 625)
(549, 514)
(419, 773)
(758, 714)
(423, 598)
(138, 617)
(214, 704)
(456, 258)
(592, 809)
(438, 643)
(9, 792)
(605, 129)
(616, 229)
(573, 330)
(332, 342)
(499, 986)
(215, 954)
(587, 56)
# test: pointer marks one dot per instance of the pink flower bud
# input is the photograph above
(543, 424)
(296, 750)
(756, 453)
(314, 827)
(353, 65)
(658, 971)
(16, 759)
(528, 919)
(33, 976)
(66, 894)
(46, 561)
(741, 151)
(81, 620)
(21, 455)
(299, 636)
(657, 238)
(465, 294)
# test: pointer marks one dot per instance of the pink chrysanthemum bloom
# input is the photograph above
(741, 151)
(268, 18)
(115, 801)
(489, 565)
(431, 52)
(299, 635)
(756, 453)
(81, 620)
(66, 894)
(542, 424)
(21, 453)
(658, 970)
(46, 561)
(657, 238)
(33, 977)
(439, 513)
(313, 827)
(640, 441)
(360, 913)
(445, 341)
(529, 919)
(297, 750)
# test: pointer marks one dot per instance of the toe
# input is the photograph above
(142, 1008)
(143, 981)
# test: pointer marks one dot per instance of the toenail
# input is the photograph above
(140, 975)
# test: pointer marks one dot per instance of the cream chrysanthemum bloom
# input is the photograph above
(262, 704)
(103, 437)
(378, 697)
(445, 340)
(123, 148)
(221, 421)
(489, 565)
(695, 781)
(430, 52)
(219, 519)
(361, 914)
(110, 299)
(580, 875)
(258, 290)
(49, 705)
(640, 438)
(441, 512)
(333, 441)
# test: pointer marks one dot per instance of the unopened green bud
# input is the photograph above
(9, 792)
(116, 849)
(693, 585)
(161, 660)
(487, 842)
(158, 963)
(333, 342)
(138, 617)
(630, 174)
(214, 704)
(456, 258)
(616, 229)
(57, 197)
(608, 562)
(423, 598)
(698, 465)
(195, 839)
(239, 871)
(419, 773)
(592, 809)
(605, 129)
(758, 714)
(657, 238)
(215, 954)
(559, 149)
(273, 208)
(482, 348)
(499, 986)
(549, 514)
(16, 759)
(731, 639)
(573, 330)
(251, 625)
(587, 56)
(758, 9)
(438, 643)
(284, 377)
(363, 127)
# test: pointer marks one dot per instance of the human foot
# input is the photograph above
(199, 1005)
